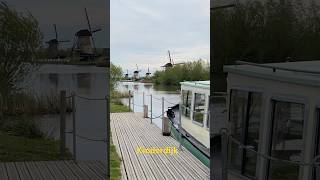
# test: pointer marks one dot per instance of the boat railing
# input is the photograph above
(275, 68)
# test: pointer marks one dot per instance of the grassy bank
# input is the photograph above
(115, 162)
(117, 108)
(17, 148)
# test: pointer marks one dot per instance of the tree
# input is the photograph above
(20, 40)
(115, 75)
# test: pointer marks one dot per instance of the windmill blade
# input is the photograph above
(55, 30)
(171, 61)
(88, 21)
(89, 26)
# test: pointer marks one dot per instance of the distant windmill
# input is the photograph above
(136, 74)
(148, 74)
(170, 64)
(53, 45)
(126, 76)
(84, 42)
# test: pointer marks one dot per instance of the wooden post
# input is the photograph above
(151, 108)
(74, 126)
(129, 99)
(145, 111)
(62, 122)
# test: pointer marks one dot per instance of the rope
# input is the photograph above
(92, 99)
(91, 139)
(87, 138)
(156, 117)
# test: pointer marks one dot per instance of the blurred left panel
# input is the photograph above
(54, 89)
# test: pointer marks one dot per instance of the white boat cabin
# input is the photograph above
(274, 112)
(195, 108)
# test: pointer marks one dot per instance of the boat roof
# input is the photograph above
(197, 84)
(302, 72)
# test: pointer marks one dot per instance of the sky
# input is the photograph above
(69, 16)
(142, 31)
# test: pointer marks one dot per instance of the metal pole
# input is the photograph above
(162, 106)
(74, 126)
(129, 99)
(151, 108)
(180, 129)
(133, 102)
(143, 98)
(108, 137)
(62, 122)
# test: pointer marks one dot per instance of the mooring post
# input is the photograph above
(129, 99)
(151, 108)
(180, 129)
(62, 122)
(74, 126)
(133, 102)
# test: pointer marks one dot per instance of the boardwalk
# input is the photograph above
(130, 131)
(53, 170)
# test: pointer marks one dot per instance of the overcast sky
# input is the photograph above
(142, 31)
(69, 16)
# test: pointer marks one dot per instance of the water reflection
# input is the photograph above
(172, 97)
(88, 81)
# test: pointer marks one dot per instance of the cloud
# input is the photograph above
(143, 31)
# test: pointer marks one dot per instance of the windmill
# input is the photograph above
(53, 45)
(126, 76)
(84, 43)
(136, 74)
(170, 64)
(148, 74)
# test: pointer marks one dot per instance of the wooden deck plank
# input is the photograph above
(168, 171)
(12, 171)
(65, 170)
(130, 130)
(39, 171)
(3, 172)
(127, 164)
(23, 171)
(52, 170)
(185, 157)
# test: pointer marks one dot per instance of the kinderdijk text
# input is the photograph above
(156, 150)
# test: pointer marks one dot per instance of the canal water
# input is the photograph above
(172, 97)
(86, 81)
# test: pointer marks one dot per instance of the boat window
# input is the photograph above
(286, 139)
(316, 174)
(199, 107)
(245, 116)
(186, 102)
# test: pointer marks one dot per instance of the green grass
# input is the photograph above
(116, 108)
(15, 148)
(115, 161)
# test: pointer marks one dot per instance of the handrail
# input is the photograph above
(274, 68)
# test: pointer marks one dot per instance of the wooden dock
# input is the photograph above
(53, 170)
(130, 131)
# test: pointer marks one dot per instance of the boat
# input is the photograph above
(273, 129)
(193, 118)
